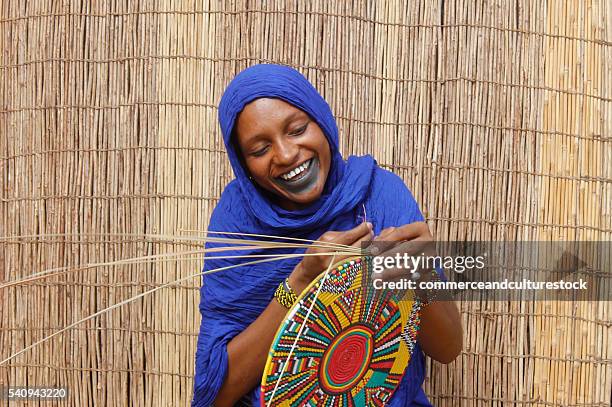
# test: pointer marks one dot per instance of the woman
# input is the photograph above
(291, 180)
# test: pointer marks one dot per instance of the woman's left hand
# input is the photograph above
(408, 240)
(441, 333)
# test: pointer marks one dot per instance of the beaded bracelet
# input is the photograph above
(285, 295)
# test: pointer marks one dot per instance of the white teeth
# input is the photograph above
(288, 175)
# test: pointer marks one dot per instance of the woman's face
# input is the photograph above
(284, 150)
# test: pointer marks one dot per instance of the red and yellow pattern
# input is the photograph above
(353, 348)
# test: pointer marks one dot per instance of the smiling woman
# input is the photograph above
(291, 180)
(286, 154)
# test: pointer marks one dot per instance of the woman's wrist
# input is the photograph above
(297, 280)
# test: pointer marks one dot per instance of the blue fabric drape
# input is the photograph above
(232, 299)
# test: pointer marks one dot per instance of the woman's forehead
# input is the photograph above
(271, 107)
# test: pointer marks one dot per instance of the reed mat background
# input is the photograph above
(497, 114)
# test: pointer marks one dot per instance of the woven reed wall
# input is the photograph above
(497, 114)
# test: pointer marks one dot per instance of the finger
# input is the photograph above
(381, 246)
(363, 240)
(353, 235)
(386, 232)
(423, 248)
(409, 232)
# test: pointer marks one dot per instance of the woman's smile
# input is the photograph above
(302, 178)
(297, 172)
(284, 151)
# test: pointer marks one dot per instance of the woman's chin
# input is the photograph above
(300, 201)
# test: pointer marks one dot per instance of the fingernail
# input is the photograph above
(369, 225)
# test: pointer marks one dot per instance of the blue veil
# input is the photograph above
(232, 299)
(342, 191)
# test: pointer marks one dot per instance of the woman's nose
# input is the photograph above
(286, 152)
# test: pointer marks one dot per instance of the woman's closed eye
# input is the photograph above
(300, 131)
(260, 151)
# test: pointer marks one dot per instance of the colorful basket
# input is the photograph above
(353, 349)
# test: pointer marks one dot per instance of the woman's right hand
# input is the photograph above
(312, 265)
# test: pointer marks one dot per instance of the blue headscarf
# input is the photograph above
(232, 299)
(346, 185)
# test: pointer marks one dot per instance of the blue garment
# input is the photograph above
(232, 299)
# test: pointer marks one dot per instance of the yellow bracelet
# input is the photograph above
(285, 295)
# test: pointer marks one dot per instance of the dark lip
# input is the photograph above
(303, 184)
(305, 161)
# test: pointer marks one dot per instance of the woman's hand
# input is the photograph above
(441, 334)
(411, 240)
(312, 265)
